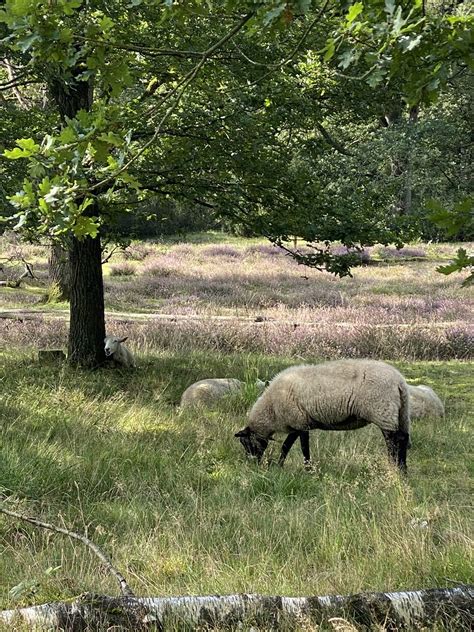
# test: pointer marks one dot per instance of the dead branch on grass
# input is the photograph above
(124, 587)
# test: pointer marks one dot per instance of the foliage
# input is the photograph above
(461, 217)
(213, 121)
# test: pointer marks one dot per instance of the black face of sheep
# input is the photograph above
(254, 445)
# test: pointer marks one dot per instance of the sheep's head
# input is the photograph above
(253, 444)
(112, 344)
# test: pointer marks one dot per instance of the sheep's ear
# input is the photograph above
(243, 433)
(122, 339)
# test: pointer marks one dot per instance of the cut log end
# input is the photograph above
(47, 356)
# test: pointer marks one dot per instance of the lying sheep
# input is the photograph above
(339, 395)
(118, 352)
(206, 392)
(424, 402)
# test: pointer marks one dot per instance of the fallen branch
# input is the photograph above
(124, 587)
(397, 610)
(27, 272)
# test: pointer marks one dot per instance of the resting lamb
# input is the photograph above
(206, 392)
(424, 402)
(115, 349)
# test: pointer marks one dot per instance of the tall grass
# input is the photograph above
(173, 500)
(170, 495)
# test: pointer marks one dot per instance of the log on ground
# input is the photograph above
(454, 607)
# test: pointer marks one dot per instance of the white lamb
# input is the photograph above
(207, 392)
(339, 395)
(424, 402)
(118, 352)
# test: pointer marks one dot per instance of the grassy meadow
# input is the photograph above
(169, 495)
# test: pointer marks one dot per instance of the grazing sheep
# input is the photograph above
(424, 402)
(339, 395)
(118, 352)
(206, 392)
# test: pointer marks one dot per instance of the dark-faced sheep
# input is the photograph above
(339, 395)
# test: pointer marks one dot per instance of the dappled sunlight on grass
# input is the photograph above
(171, 496)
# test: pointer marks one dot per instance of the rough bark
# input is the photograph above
(395, 611)
(402, 167)
(87, 320)
(59, 272)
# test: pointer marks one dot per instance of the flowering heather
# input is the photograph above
(394, 253)
(267, 250)
(137, 252)
(122, 269)
(363, 255)
(304, 342)
(221, 251)
(262, 301)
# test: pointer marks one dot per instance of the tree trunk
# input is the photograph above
(87, 320)
(59, 273)
(87, 323)
(453, 608)
(402, 167)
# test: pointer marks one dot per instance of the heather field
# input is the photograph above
(229, 294)
(169, 495)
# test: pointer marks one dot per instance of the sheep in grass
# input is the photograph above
(118, 352)
(206, 392)
(424, 402)
(339, 395)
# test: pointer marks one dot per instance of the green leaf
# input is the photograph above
(70, 5)
(347, 58)
(85, 227)
(27, 42)
(398, 22)
(389, 6)
(330, 49)
(26, 148)
(45, 186)
(67, 136)
(354, 10)
(275, 13)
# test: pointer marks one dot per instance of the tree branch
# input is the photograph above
(124, 587)
(332, 141)
(183, 84)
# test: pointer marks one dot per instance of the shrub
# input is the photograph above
(137, 252)
(221, 251)
(122, 269)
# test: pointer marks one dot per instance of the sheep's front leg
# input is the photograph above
(304, 441)
(285, 448)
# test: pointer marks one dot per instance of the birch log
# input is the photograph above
(394, 610)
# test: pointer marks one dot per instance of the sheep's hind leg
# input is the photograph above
(397, 443)
(285, 448)
(304, 441)
(403, 445)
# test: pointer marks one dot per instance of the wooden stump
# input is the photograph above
(47, 356)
